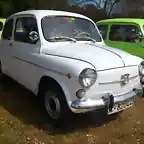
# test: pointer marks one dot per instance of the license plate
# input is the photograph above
(121, 106)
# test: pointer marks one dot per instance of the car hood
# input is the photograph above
(100, 56)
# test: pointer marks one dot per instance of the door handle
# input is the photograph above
(10, 44)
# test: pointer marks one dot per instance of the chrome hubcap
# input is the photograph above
(52, 105)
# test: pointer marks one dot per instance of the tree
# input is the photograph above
(8, 7)
(106, 5)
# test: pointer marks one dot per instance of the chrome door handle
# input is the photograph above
(10, 44)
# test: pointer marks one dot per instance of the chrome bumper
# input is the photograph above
(107, 100)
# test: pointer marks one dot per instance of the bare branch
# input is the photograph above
(112, 6)
(100, 2)
(74, 2)
(105, 4)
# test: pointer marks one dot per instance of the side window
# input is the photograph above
(125, 33)
(103, 30)
(132, 33)
(115, 33)
(23, 26)
(7, 31)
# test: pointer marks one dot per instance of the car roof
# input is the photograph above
(42, 13)
(120, 20)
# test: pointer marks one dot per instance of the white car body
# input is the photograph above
(28, 63)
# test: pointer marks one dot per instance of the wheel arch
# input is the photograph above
(47, 80)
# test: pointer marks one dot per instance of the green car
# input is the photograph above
(124, 33)
(2, 21)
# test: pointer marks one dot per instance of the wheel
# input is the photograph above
(55, 105)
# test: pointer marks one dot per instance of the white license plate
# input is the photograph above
(121, 106)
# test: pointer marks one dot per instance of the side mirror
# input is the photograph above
(140, 35)
(33, 36)
(1, 25)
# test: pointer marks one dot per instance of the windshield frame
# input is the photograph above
(101, 40)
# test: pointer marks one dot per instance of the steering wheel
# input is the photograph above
(83, 33)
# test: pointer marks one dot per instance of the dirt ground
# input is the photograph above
(22, 123)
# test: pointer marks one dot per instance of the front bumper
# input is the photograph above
(107, 100)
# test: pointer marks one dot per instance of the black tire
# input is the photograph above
(48, 92)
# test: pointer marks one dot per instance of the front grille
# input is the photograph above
(109, 81)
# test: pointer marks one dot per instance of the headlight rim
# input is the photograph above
(141, 67)
(81, 77)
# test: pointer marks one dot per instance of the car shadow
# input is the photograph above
(20, 103)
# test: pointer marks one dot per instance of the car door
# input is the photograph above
(5, 47)
(124, 36)
(25, 52)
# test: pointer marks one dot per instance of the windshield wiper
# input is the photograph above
(86, 38)
(61, 38)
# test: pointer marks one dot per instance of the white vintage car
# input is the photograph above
(61, 57)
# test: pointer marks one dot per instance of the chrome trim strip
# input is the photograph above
(38, 65)
(70, 58)
(116, 81)
(116, 68)
(109, 51)
(89, 62)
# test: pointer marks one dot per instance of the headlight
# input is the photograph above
(87, 77)
(141, 68)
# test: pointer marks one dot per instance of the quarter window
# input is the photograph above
(7, 31)
(23, 27)
(103, 30)
(125, 33)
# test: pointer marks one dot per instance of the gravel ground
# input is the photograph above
(22, 123)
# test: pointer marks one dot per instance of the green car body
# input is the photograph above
(2, 20)
(124, 33)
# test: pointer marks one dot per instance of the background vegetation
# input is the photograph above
(95, 9)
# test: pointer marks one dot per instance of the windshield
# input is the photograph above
(66, 28)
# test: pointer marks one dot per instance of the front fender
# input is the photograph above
(67, 76)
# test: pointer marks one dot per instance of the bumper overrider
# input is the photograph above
(107, 101)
